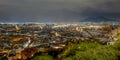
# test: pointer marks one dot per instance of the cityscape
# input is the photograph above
(59, 29)
(23, 41)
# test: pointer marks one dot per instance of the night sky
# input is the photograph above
(57, 10)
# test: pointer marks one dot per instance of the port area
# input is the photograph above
(23, 41)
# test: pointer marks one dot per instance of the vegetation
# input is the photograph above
(42, 57)
(87, 51)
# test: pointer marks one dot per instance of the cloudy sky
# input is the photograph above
(56, 10)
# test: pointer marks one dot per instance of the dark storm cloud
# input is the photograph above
(56, 10)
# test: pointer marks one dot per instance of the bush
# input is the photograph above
(42, 57)
(86, 46)
(91, 51)
(99, 53)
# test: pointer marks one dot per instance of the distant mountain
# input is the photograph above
(86, 19)
(99, 19)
